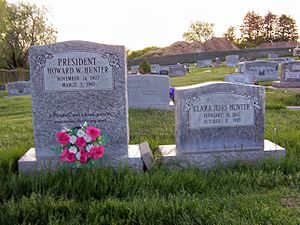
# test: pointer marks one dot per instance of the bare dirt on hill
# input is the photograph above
(214, 44)
(182, 47)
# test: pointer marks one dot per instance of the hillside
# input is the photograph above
(182, 47)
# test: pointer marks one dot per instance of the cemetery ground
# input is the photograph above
(264, 193)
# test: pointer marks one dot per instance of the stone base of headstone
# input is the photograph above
(210, 160)
(30, 164)
(280, 84)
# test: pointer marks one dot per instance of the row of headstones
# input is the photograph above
(248, 72)
(170, 70)
(76, 82)
(234, 60)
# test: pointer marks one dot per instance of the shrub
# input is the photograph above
(145, 67)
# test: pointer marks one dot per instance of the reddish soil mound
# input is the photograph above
(219, 44)
(182, 47)
(179, 47)
(281, 44)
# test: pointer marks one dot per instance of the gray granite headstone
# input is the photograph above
(134, 69)
(261, 70)
(232, 60)
(155, 68)
(164, 70)
(177, 70)
(204, 63)
(238, 78)
(219, 116)
(148, 91)
(19, 88)
(79, 81)
(290, 71)
(290, 75)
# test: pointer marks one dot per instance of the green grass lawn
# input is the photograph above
(264, 193)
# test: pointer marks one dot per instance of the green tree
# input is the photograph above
(145, 67)
(199, 32)
(26, 25)
(230, 34)
(251, 29)
(269, 27)
(286, 29)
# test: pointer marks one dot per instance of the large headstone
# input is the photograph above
(74, 82)
(232, 60)
(261, 70)
(204, 63)
(218, 123)
(238, 78)
(177, 70)
(148, 91)
(290, 75)
(19, 88)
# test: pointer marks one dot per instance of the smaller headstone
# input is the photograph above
(238, 78)
(2, 87)
(177, 70)
(19, 88)
(146, 155)
(219, 123)
(272, 56)
(204, 63)
(148, 91)
(232, 60)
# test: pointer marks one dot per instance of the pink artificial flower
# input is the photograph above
(67, 156)
(93, 132)
(84, 156)
(80, 142)
(97, 152)
(63, 138)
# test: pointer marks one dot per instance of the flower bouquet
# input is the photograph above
(81, 145)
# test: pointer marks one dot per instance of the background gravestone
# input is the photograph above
(238, 78)
(155, 68)
(261, 70)
(290, 75)
(148, 91)
(232, 60)
(219, 117)
(74, 82)
(204, 63)
(177, 70)
(19, 88)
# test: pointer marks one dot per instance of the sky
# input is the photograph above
(142, 23)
